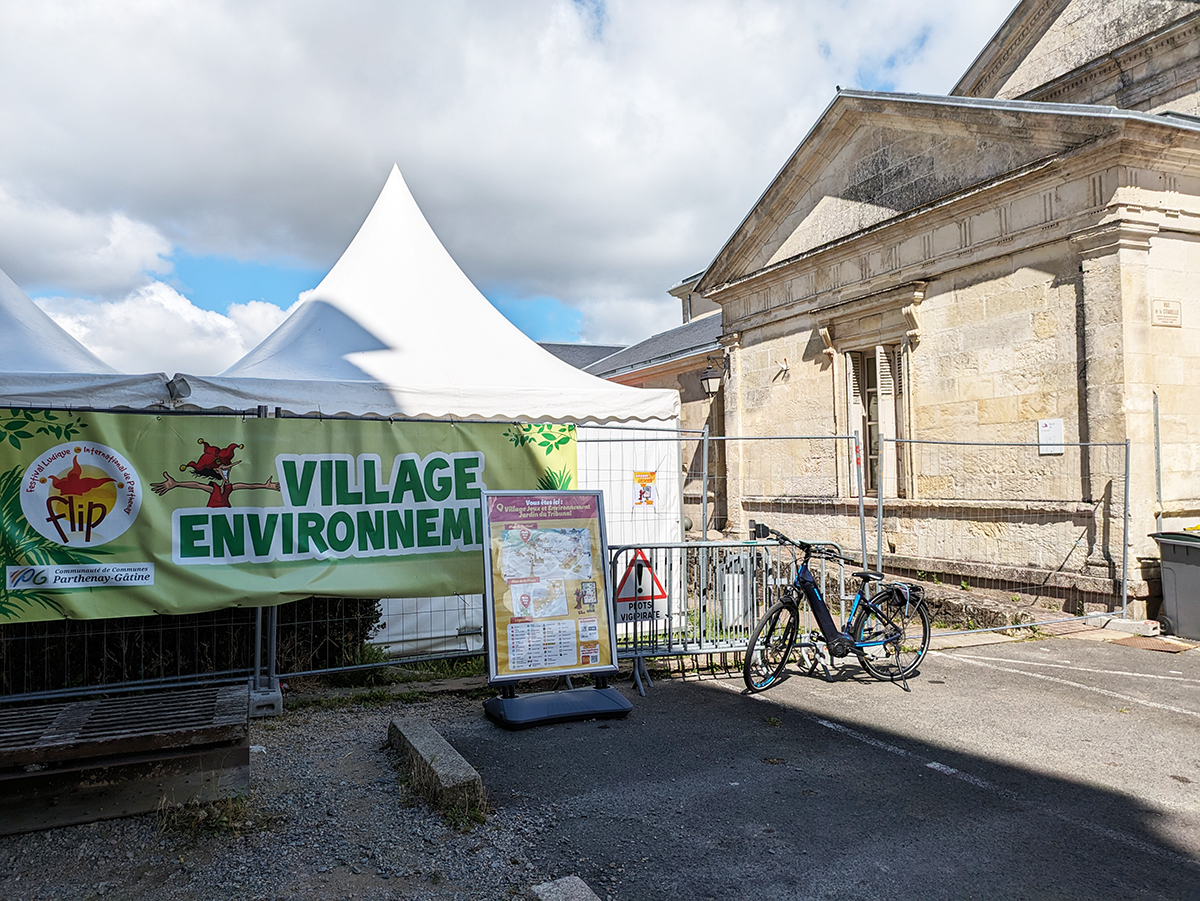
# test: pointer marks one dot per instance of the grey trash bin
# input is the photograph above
(1180, 553)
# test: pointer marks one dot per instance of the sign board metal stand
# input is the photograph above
(548, 605)
(514, 711)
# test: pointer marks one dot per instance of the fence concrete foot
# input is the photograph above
(265, 702)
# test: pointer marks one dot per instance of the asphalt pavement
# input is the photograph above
(1057, 768)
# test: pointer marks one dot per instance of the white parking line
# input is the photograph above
(1081, 669)
(972, 661)
(982, 784)
(1112, 834)
(865, 739)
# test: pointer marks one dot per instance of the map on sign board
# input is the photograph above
(539, 599)
(546, 554)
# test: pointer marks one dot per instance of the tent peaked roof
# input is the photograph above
(397, 329)
(35, 342)
(394, 290)
(43, 366)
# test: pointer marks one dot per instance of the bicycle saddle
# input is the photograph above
(869, 577)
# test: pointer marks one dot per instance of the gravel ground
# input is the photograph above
(334, 822)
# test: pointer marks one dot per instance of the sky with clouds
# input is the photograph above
(174, 175)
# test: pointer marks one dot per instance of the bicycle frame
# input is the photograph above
(806, 583)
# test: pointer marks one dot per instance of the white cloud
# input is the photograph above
(551, 149)
(627, 321)
(156, 329)
(101, 254)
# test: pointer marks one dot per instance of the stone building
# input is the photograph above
(1012, 264)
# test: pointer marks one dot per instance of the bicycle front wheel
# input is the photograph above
(770, 646)
(891, 635)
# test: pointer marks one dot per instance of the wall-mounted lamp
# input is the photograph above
(711, 377)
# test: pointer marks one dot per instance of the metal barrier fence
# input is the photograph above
(326, 635)
(803, 485)
(44, 659)
(704, 597)
(47, 659)
(999, 516)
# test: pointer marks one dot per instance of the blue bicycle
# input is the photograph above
(888, 631)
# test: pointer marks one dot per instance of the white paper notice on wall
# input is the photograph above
(1050, 436)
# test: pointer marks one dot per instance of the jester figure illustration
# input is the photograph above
(214, 465)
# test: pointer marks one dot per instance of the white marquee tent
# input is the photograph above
(45, 367)
(396, 329)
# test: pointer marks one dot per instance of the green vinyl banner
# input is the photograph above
(124, 514)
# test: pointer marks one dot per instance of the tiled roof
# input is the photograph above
(582, 355)
(698, 336)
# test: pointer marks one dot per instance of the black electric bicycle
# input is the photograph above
(888, 629)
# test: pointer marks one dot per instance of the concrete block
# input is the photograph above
(1144, 627)
(569, 888)
(441, 774)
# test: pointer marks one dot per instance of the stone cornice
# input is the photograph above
(1152, 204)
(1111, 237)
(1114, 65)
(905, 299)
(996, 56)
(779, 268)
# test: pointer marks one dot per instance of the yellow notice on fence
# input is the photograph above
(645, 492)
(547, 595)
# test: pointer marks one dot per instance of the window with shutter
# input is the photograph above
(874, 387)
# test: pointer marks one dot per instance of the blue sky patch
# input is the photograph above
(213, 283)
(541, 318)
(882, 75)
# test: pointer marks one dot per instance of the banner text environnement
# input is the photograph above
(110, 515)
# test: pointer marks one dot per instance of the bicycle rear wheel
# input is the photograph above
(892, 635)
(770, 646)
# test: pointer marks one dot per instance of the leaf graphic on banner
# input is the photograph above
(547, 435)
(47, 422)
(555, 480)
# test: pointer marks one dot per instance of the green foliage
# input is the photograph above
(326, 633)
(197, 819)
(546, 435)
(454, 667)
(462, 816)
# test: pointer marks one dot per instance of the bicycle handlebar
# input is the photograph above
(763, 530)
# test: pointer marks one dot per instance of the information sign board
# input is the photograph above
(547, 598)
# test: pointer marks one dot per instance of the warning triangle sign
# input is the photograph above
(640, 582)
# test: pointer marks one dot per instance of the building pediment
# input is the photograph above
(872, 157)
(1042, 40)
